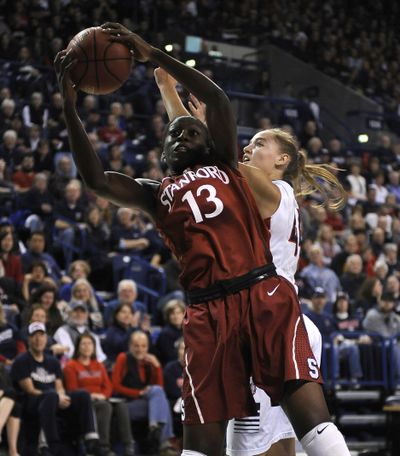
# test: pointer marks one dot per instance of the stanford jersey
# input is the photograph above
(285, 233)
(210, 221)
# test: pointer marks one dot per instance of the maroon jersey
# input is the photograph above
(209, 219)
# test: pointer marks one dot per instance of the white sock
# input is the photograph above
(191, 453)
(325, 440)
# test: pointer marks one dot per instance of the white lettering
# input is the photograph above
(214, 172)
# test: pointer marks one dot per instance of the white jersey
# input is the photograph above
(256, 434)
(285, 233)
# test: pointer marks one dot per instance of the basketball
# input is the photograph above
(103, 65)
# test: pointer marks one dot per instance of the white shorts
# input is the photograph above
(256, 434)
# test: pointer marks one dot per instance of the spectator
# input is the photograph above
(36, 313)
(23, 178)
(78, 269)
(69, 218)
(343, 348)
(36, 252)
(343, 315)
(9, 262)
(318, 275)
(36, 277)
(82, 291)
(393, 186)
(78, 323)
(350, 247)
(358, 185)
(40, 202)
(369, 294)
(384, 321)
(43, 159)
(174, 312)
(98, 249)
(111, 133)
(173, 381)
(327, 242)
(10, 342)
(380, 187)
(84, 372)
(127, 294)
(35, 112)
(46, 296)
(10, 411)
(119, 332)
(353, 276)
(65, 171)
(39, 379)
(137, 376)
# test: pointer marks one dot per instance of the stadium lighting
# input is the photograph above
(169, 47)
(363, 138)
(191, 62)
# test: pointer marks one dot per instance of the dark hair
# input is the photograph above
(78, 342)
(40, 291)
(40, 264)
(117, 310)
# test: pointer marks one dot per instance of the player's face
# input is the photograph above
(262, 152)
(185, 144)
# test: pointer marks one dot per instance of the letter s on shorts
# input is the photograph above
(313, 368)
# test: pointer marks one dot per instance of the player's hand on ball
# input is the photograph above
(119, 33)
(164, 79)
(63, 63)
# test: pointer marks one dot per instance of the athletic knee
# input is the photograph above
(324, 439)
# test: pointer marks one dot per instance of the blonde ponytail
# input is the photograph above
(306, 183)
(305, 177)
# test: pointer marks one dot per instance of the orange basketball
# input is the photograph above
(103, 65)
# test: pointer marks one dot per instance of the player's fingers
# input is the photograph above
(192, 108)
(110, 25)
(58, 58)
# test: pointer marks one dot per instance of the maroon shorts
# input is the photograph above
(257, 332)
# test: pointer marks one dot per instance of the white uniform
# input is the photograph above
(255, 435)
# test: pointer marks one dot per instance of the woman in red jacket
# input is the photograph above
(137, 376)
(83, 371)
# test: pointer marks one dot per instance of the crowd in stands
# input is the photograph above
(62, 249)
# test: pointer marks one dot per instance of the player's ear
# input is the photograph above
(282, 159)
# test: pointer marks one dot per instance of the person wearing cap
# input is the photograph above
(38, 377)
(344, 349)
(78, 323)
(384, 321)
(343, 315)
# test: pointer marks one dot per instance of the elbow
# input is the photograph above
(217, 97)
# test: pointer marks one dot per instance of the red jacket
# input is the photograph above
(92, 378)
(120, 370)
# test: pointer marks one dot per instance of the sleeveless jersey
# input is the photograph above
(284, 230)
(209, 219)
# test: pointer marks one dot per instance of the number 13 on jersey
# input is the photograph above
(211, 196)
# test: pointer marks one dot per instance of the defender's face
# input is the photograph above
(262, 152)
(185, 144)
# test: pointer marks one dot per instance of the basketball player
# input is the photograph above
(242, 318)
(268, 433)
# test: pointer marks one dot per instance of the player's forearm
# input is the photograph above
(194, 81)
(172, 102)
(86, 159)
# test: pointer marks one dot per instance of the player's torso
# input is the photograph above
(208, 218)
(284, 227)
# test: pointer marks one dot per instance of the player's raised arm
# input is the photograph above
(220, 119)
(118, 188)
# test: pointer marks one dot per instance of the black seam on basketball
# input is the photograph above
(86, 62)
(95, 66)
(106, 64)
